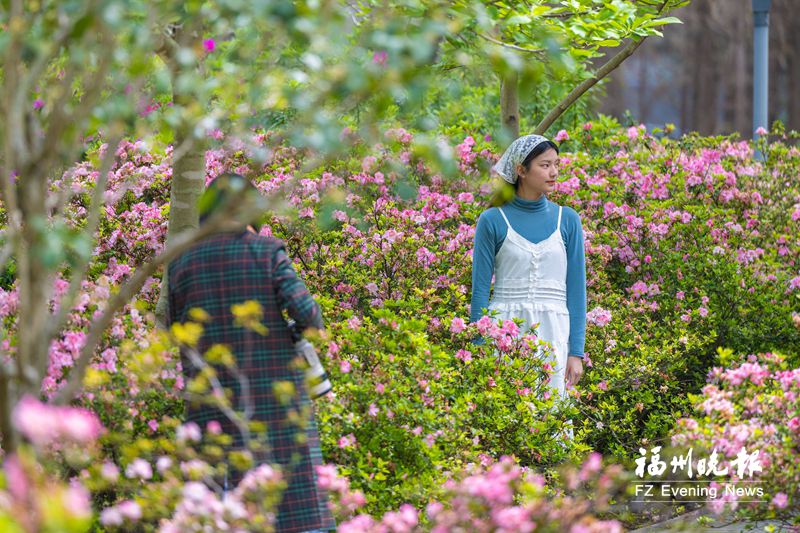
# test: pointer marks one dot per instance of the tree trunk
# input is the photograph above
(704, 115)
(509, 104)
(35, 283)
(188, 182)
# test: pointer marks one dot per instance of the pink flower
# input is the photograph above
(457, 325)
(780, 500)
(209, 45)
(109, 472)
(761, 131)
(139, 468)
(599, 316)
(510, 328)
(347, 441)
(587, 126)
(562, 135)
(163, 464)
(38, 104)
(189, 431)
(345, 366)
(602, 385)
(464, 355)
(130, 509)
(111, 517)
(633, 132)
(42, 424)
(484, 324)
(380, 57)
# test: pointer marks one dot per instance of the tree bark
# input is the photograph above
(188, 175)
(704, 112)
(509, 104)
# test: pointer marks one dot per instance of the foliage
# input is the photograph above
(500, 496)
(688, 243)
(753, 403)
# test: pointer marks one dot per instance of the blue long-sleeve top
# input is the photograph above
(535, 220)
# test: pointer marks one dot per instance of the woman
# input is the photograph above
(534, 249)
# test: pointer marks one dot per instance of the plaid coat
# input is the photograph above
(228, 269)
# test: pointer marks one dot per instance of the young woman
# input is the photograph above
(534, 249)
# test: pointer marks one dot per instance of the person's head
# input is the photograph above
(538, 171)
(230, 191)
(530, 164)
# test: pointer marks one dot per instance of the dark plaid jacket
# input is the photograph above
(229, 269)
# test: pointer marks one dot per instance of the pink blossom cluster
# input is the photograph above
(599, 316)
(45, 425)
(491, 499)
(752, 406)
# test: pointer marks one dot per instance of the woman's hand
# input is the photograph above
(574, 370)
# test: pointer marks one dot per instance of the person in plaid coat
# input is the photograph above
(228, 269)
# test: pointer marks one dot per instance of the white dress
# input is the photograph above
(531, 284)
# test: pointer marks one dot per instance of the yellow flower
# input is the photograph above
(249, 315)
(187, 334)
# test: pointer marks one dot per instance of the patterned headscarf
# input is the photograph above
(515, 154)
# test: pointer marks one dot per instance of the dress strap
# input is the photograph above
(508, 224)
(558, 226)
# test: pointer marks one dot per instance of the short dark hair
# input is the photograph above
(538, 150)
(221, 190)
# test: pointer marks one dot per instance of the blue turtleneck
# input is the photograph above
(535, 220)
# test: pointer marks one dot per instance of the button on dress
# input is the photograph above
(531, 284)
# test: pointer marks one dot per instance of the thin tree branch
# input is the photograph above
(61, 118)
(536, 51)
(588, 83)
(241, 421)
(44, 59)
(79, 271)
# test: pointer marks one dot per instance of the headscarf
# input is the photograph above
(515, 154)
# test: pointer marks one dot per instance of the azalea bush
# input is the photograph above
(74, 474)
(497, 496)
(752, 403)
(407, 412)
(691, 245)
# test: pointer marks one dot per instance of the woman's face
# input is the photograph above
(540, 177)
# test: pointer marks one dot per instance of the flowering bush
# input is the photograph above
(691, 245)
(501, 496)
(753, 403)
(406, 411)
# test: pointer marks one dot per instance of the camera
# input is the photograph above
(316, 376)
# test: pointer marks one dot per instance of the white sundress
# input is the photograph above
(531, 284)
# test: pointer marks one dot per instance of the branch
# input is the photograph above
(61, 118)
(240, 421)
(14, 137)
(538, 52)
(44, 59)
(220, 221)
(79, 271)
(588, 83)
